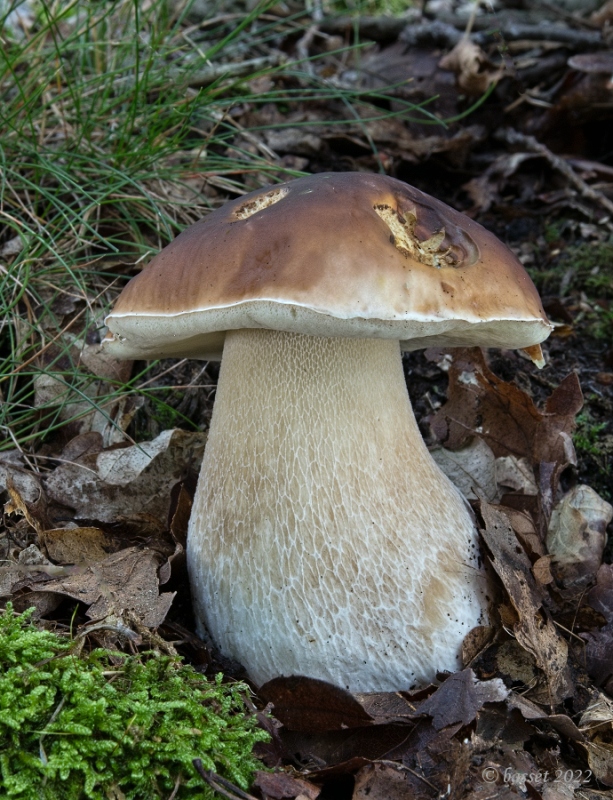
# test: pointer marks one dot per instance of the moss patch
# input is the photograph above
(78, 726)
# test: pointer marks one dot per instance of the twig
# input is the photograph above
(377, 28)
(552, 33)
(176, 788)
(302, 48)
(207, 75)
(512, 28)
(485, 29)
(569, 632)
(316, 9)
(219, 784)
(431, 33)
(173, 367)
(471, 19)
(574, 19)
(403, 768)
(148, 635)
(54, 716)
(513, 137)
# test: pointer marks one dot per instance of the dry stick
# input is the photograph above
(471, 20)
(513, 137)
(306, 40)
(219, 784)
(403, 768)
(573, 19)
(206, 75)
(148, 635)
(386, 28)
(302, 47)
(176, 789)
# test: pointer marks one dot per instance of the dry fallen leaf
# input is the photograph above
(26, 495)
(311, 705)
(577, 534)
(30, 563)
(387, 707)
(601, 596)
(75, 545)
(128, 481)
(487, 189)
(534, 629)
(471, 469)
(475, 73)
(515, 664)
(541, 569)
(123, 581)
(597, 724)
(484, 406)
(90, 408)
(280, 785)
(599, 647)
(599, 712)
(460, 697)
(515, 474)
(600, 759)
(389, 781)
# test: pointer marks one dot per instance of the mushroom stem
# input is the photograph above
(324, 540)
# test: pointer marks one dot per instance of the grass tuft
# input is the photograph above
(119, 130)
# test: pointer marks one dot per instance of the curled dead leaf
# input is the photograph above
(309, 704)
(577, 533)
(27, 499)
(124, 482)
(541, 569)
(481, 405)
(475, 73)
(534, 630)
(123, 581)
(460, 697)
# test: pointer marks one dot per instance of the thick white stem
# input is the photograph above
(324, 540)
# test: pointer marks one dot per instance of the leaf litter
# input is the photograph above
(526, 703)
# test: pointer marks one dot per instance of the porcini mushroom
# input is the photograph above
(324, 540)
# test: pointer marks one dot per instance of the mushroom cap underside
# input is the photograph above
(334, 254)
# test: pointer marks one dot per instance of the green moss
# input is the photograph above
(600, 324)
(588, 433)
(595, 449)
(554, 231)
(80, 726)
(585, 267)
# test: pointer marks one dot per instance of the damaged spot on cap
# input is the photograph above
(404, 238)
(112, 337)
(421, 234)
(260, 202)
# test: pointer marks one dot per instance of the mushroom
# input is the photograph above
(324, 540)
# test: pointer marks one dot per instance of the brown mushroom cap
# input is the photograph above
(334, 254)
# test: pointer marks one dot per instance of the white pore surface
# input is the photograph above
(324, 540)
